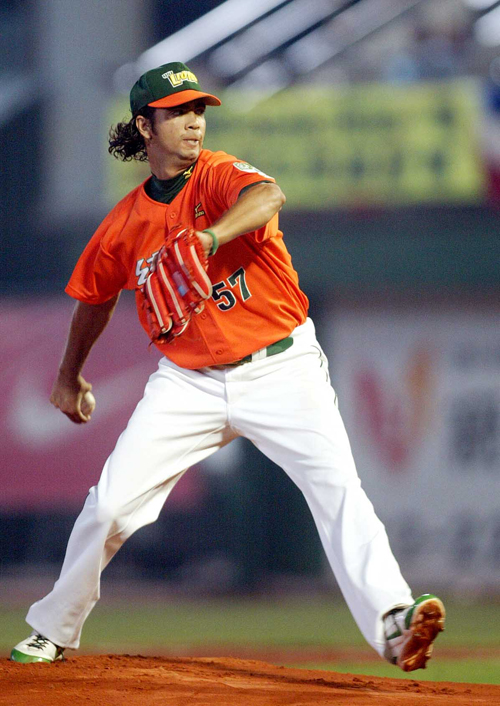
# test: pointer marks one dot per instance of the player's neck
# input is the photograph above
(166, 190)
(163, 169)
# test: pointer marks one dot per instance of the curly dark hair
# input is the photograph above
(125, 140)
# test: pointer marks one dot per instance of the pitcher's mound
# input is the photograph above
(115, 680)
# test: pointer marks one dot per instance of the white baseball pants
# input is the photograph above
(285, 405)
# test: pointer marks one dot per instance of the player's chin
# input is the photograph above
(191, 150)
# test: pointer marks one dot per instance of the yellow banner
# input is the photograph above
(373, 144)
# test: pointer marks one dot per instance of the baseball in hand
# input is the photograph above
(88, 403)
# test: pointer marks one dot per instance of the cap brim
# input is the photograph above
(184, 97)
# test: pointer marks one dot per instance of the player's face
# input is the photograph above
(178, 133)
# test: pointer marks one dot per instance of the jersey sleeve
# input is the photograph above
(229, 177)
(98, 275)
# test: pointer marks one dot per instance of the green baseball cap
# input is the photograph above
(167, 86)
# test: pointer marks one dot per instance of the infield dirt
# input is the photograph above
(110, 680)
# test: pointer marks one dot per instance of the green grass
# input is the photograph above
(260, 624)
(473, 671)
(225, 621)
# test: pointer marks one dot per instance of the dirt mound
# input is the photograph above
(115, 680)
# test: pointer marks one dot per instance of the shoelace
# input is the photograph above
(39, 642)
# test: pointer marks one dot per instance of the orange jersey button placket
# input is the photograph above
(214, 338)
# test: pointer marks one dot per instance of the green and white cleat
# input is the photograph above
(36, 648)
(410, 632)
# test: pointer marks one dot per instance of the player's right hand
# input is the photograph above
(67, 395)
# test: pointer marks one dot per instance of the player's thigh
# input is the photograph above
(180, 420)
(293, 417)
(301, 430)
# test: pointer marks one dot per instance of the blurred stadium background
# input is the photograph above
(381, 120)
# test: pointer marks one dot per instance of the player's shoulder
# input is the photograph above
(223, 160)
(127, 204)
(130, 199)
(213, 159)
(114, 222)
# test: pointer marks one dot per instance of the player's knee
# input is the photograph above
(107, 510)
(107, 513)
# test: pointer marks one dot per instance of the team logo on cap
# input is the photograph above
(179, 78)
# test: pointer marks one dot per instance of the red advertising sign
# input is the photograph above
(46, 460)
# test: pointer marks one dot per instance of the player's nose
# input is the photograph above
(193, 120)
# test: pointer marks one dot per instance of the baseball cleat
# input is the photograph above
(36, 648)
(410, 632)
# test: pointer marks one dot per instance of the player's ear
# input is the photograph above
(144, 126)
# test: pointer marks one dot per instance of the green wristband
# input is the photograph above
(215, 243)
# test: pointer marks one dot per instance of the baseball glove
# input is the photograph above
(177, 286)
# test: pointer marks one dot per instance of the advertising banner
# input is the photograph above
(419, 393)
(346, 146)
(48, 461)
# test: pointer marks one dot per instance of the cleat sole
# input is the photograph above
(426, 624)
(22, 658)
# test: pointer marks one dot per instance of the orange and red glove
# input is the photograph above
(177, 287)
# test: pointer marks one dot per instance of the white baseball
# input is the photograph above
(88, 403)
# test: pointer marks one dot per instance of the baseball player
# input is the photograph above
(245, 363)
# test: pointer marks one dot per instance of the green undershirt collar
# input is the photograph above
(165, 190)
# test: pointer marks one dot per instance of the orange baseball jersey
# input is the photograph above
(256, 296)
